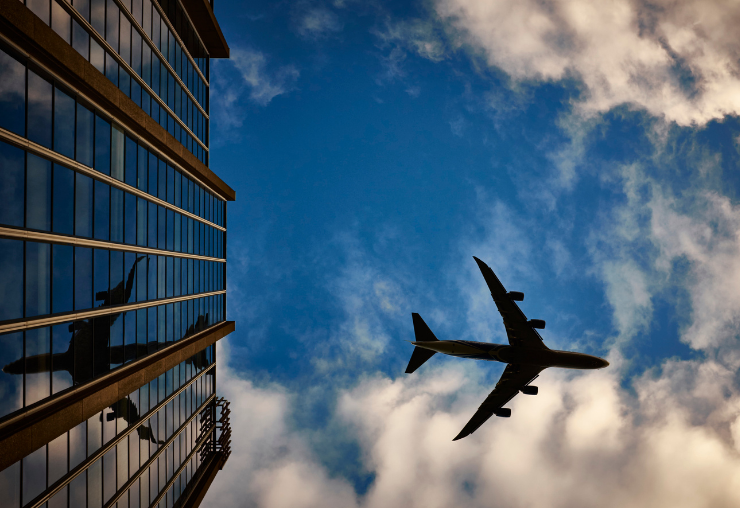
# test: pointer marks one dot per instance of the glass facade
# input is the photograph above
(110, 251)
(142, 447)
(134, 47)
(36, 108)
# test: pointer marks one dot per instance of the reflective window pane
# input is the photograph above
(84, 141)
(38, 193)
(34, 474)
(101, 278)
(61, 22)
(83, 205)
(83, 278)
(102, 145)
(11, 375)
(117, 153)
(116, 215)
(39, 109)
(61, 270)
(13, 94)
(11, 279)
(64, 121)
(63, 205)
(38, 272)
(63, 359)
(102, 211)
(11, 185)
(130, 165)
(80, 40)
(38, 364)
(130, 218)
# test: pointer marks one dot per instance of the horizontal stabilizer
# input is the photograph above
(423, 334)
(421, 330)
(418, 358)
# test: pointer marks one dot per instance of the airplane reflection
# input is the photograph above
(127, 410)
(90, 353)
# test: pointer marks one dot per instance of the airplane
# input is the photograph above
(526, 355)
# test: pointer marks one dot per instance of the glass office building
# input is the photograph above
(112, 254)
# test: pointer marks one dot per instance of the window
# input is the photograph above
(102, 210)
(61, 340)
(61, 22)
(34, 472)
(62, 284)
(38, 378)
(130, 218)
(80, 40)
(111, 26)
(64, 119)
(83, 278)
(39, 109)
(116, 215)
(38, 193)
(13, 94)
(11, 378)
(130, 164)
(98, 16)
(101, 278)
(38, 277)
(85, 138)
(117, 153)
(102, 145)
(11, 185)
(63, 202)
(83, 205)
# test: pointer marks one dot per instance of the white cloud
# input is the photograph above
(271, 465)
(245, 78)
(584, 441)
(264, 84)
(421, 37)
(676, 59)
(317, 22)
(368, 294)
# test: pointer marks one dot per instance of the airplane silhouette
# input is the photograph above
(127, 410)
(526, 355)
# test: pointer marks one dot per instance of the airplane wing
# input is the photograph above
(515, 376)
(520, 333)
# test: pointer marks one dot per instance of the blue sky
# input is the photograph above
(588, 155)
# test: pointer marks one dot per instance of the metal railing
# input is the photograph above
(217, 419)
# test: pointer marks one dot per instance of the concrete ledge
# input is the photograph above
(39, 424)
(204, 19)
(25, 29)
(197, 489)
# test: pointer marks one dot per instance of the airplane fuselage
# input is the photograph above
(513, 354)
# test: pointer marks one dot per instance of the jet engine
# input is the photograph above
(537, 323)
(528, 390)
(503, 412)
(515, 296)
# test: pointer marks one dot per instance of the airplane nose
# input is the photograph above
(604, 363)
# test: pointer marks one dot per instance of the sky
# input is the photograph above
(587, 151)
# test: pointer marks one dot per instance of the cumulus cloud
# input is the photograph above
(271, 465)
(676, 59)
(584, 441)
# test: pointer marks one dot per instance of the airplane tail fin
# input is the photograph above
(423, 333)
